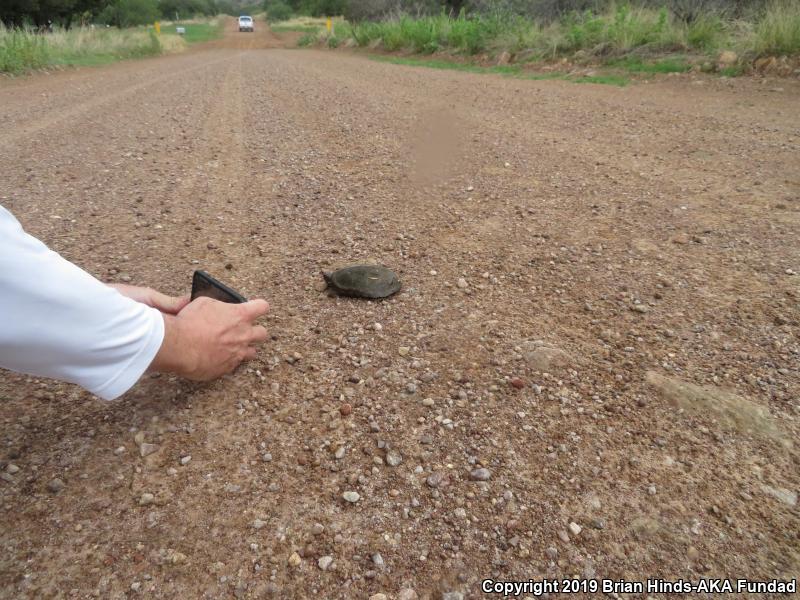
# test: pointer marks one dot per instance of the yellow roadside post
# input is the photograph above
(157, 25)
(329, 26)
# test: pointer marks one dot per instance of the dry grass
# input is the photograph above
(22, 50)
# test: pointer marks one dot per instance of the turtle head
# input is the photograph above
(326, 275)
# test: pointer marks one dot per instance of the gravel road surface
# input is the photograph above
(592, 370)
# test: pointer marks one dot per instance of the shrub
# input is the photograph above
(778, 31)
(21, 50)
(277, 10)
(706, 32)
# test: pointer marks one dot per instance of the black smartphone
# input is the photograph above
(204, 284)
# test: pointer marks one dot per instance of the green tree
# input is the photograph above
(127, 13)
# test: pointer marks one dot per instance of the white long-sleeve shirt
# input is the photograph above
(58, 321)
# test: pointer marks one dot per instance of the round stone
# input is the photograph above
(351, 497)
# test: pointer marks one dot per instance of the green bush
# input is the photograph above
(277, 10)
(21, 50)
(706, 32)
(778, 31)
(127, 13)
(309, 39)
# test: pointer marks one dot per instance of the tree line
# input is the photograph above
(120, 13)
(126, 13)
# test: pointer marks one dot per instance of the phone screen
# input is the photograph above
(205, 285)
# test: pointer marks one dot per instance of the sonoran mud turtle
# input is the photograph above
(363, 281)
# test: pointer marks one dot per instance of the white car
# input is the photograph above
(246, 24)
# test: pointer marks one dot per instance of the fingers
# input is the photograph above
(254, 309)
(258, 335)
(171, 305)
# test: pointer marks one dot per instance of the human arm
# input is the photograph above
(58, 321)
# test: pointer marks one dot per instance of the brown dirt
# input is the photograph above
(562, 207)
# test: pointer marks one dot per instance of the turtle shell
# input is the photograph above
(363, 281)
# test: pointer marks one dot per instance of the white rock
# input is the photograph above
(574, 528)
(393, 458)
(324, 562)
(462, 283)
(352, 497)
(185, 459)
(788, 497)
(146, 449)
(146, 499)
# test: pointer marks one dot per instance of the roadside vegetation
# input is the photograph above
(644, 36)
(39, 35)
(197, 31)
(22, 50)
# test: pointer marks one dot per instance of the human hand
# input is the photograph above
(209, 338)
(170, 305)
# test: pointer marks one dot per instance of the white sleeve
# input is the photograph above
(58, 321)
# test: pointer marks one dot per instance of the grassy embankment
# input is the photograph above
(24, 50)
(621, 41)
(196, 31)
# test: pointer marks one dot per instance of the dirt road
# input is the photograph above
(574, 258)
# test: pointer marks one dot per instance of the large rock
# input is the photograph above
(545, 358)
(732, 412)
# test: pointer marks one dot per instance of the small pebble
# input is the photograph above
(146, 449)
(351, 497)
(434, 479)
(324, 562)
(345, 409)
(393, 458)
(12, 468)
(295, 560)
(317, 529)
(56, 485)
(146, 499)
(517, 383)
(574, 528)
(480, 475)
(462, 283)
(185, 459)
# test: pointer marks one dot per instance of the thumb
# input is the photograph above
(254, 308)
